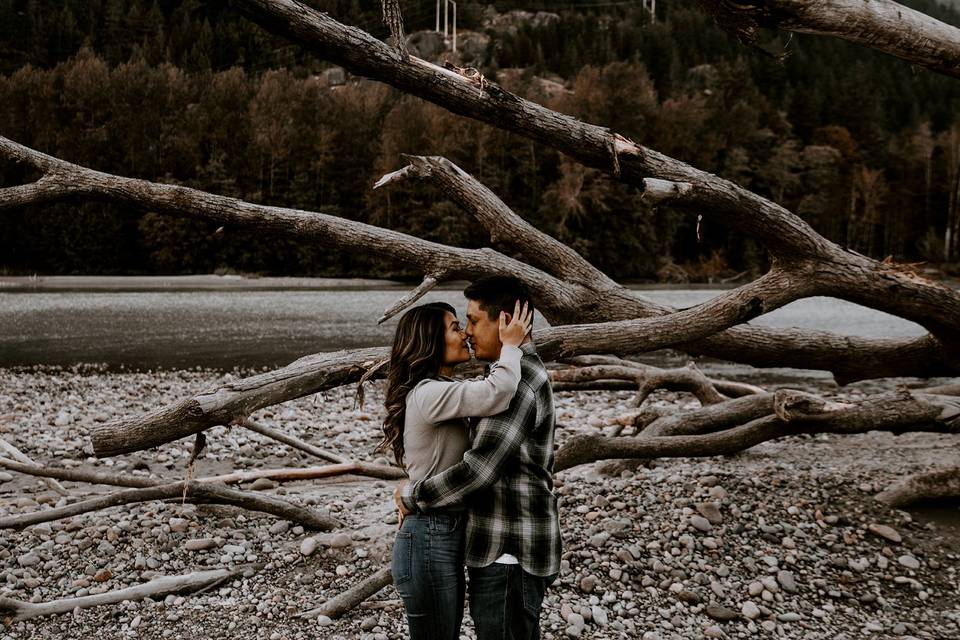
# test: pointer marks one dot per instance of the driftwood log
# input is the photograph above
(793, 413)
(192, 491)
(14, 610)
(943, 484)
(352, 597)
(883, 25)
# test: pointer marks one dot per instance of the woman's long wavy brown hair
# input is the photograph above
(417, 354)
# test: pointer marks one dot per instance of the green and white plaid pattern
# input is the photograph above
(506, 480)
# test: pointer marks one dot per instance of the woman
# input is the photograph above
(427, 430)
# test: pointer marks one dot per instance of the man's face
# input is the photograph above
(483, 332)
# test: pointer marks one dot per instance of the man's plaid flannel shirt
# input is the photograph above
(506, 480)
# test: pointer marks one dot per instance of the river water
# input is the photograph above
(224, 329)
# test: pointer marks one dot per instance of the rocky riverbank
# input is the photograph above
(783, 541)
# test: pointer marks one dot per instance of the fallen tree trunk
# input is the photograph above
(352, 597)
(16, 610)
(712, 417)
(943, 484)
(795, 413)
(194, 491)
(231, 402)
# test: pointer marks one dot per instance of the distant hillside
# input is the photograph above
(860, 144)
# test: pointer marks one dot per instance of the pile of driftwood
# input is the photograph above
(732, 417)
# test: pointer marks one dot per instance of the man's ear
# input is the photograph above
(508, 316)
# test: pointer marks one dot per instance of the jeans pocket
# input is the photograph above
(402, 562)
(532, 590)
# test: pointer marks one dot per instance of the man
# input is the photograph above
(506, 482)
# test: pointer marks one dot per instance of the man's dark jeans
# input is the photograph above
(505, 602)
(428, 573)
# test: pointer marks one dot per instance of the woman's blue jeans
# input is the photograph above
(428, 573)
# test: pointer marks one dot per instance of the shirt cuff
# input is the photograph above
(406, 497)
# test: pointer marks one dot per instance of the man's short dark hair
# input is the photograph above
(498, 293)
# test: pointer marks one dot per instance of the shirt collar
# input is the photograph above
(529, 348)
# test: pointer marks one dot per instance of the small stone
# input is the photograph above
(308, 546)
(5, 477)
(263, 484)
(177, 525)
(909, 562)
(722, 614)
(597, 541)
(573, 632)
(770, 584)
(103, 575)
(588, 583)
(599, 615)
(338, 541)
(369, 623)
(711, 512)
(888, 533)
(750, 610)
(787, 582)
(789, 617)
(713, 631)
(689, 597)
(576, 620)
(718, 493)
(200, 544)
(28, 560)
(700, 523)
(279, 527)
(324, 621)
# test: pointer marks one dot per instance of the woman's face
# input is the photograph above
(456, 341)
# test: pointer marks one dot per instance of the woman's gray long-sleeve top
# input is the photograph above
(435, 431)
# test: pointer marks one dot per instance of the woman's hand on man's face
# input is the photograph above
(515, 330)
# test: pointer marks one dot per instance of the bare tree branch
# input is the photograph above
(647, 380)
(352, 597)
(502, 223)
(18, 455)
(289, 440)
(367, 469)
(429, 282)
(883, 25)
(195, 491)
